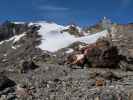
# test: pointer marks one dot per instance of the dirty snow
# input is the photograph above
(70, 50)
(53, 39)
(16, 46)
(79, 56)
(14, 38)
(1, 42)
(18, 37)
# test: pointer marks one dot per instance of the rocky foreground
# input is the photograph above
(29, 73)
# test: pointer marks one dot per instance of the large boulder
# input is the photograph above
(100, 54)
(103, 54)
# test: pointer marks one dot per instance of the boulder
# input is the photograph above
(28, 65)
(5, 82)
(100, 57)
(100, 54)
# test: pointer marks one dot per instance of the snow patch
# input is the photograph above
(5, 55)
(53, 39)
(14, 38)
(14, 47)
(69, 51)
(18, 37)
(56, 41)
(1, 42)
(93, 38)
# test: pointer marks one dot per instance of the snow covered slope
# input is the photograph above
(15, 38)
(53, 39)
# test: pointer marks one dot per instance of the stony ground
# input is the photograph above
(51, 79)
(56, 82)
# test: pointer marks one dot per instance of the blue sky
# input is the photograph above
(81, 12)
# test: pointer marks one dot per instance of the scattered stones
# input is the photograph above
(28, 65)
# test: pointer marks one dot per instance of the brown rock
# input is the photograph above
(130, 95)
(22, 91)
(100, 82)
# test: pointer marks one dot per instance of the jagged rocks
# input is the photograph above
(126, 66)
(5, 82)
(9, 29)
(53, 79)
(72, 30)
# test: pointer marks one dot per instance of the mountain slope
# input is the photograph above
(53, 39)
(32, 55)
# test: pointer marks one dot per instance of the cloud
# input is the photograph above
(51, 11)
(55, 12)
(53, 8)
(125, 3)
